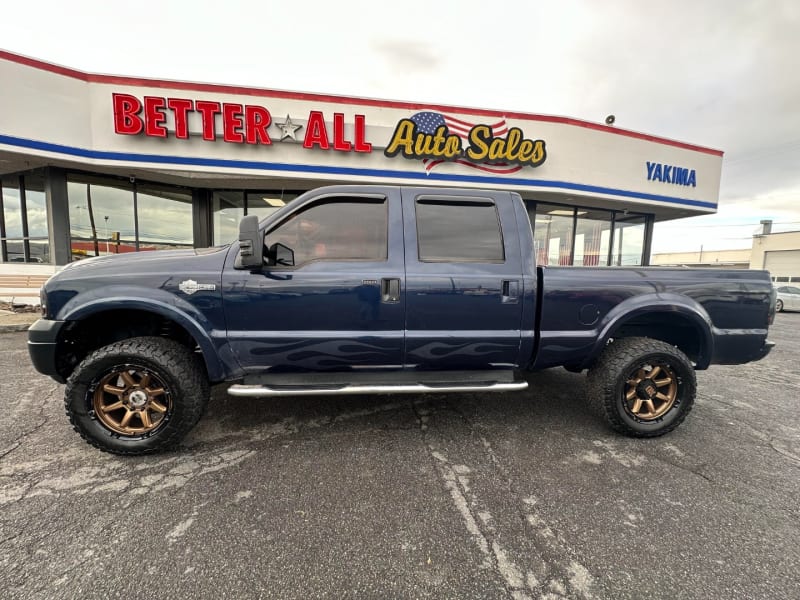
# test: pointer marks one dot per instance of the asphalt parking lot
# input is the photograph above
(522, 495)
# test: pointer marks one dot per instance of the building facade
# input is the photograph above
(713, 259)
(98, 164)
(778, 253)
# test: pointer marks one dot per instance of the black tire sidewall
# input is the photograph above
(779, 306)
(184, 395)
(683, 401)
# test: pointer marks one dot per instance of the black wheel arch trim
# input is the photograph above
(190, 322)
(661, 303)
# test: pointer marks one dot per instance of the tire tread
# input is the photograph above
(601, 382)
(182, 365)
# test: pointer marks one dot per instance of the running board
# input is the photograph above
(263, 391)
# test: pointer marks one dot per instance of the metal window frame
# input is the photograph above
(3, 243)
(611, 260)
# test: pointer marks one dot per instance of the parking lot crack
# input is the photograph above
(43, 415)
(520, 582)
(695, 470)
(784, 452)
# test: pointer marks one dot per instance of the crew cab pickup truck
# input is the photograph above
(374, 290)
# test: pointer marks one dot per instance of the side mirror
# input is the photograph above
(280, 255)
(251, 244)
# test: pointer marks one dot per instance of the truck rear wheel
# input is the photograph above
(136, 396)
(642, 387)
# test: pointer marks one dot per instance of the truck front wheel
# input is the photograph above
(642, 387)
(136, 396)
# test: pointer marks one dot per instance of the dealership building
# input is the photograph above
(100, 164)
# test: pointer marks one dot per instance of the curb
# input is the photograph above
(14, 327)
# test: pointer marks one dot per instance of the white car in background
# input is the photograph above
(788, 298)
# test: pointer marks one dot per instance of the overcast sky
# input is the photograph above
(718, 73)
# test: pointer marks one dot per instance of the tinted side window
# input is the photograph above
(459, 231)
(336, 229)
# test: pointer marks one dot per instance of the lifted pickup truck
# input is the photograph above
(378, 289)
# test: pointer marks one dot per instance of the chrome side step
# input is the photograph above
(264, 391)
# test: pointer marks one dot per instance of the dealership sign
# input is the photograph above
(671, 174)
(241, 123)
(435, 137)
(430, 137)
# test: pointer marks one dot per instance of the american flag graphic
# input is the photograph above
(429, 122)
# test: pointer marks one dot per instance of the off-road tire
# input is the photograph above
(179, 372)
(608, 379)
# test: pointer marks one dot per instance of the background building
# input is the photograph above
(779, 253)
(97, 164)
(724, 259)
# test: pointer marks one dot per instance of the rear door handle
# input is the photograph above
(510, 291)
(390, 290)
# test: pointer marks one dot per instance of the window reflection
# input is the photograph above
(458, 231)
(228, 210)
(12, 207)
(592, 236)
(263, 204)
(335, 229)
(628, 240)
(24, 223)
(552, 234)
(101, 216)
(165, 218)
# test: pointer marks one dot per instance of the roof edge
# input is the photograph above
(264, 92)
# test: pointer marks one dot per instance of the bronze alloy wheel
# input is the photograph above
(650, 392)
(131, 401)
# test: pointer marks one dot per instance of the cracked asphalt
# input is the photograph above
(523, 495)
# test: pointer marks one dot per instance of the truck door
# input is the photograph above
(463, 280)
(340, 306)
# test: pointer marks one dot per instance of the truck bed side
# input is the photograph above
(714, 316)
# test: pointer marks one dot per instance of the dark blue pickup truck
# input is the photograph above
(378, 289)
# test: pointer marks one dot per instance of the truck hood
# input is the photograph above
(171, 275)
(139, 262)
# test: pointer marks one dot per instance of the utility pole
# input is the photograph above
(91, 219)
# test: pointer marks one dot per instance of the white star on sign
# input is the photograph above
(288, 129)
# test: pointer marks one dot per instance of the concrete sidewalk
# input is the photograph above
(16, 321)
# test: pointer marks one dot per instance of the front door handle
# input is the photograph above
(510, 291)
(390, 290)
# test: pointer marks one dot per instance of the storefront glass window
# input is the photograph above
(165, 218)
(228, 210)
(592, 236)
(101, 216)
(628, 240)
(552, 234)
(264, 204)
(24, 223)
(11, 207)
(36, 205)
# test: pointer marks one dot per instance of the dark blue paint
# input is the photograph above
(456, 315)
(329, 315)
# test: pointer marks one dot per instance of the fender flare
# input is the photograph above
(159, 302)
(664, 303)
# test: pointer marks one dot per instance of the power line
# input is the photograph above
(720, 225)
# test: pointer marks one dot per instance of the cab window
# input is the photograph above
(336, 229)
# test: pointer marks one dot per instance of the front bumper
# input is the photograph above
(42, 341)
